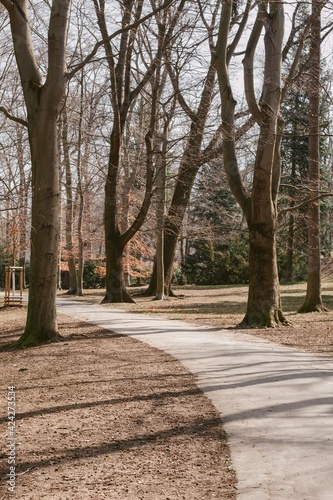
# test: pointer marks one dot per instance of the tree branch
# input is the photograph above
(305, 202)
(92, 54)
(248, 64)
(12, 117)
(242, 25)
(228, 113)
(57, 40)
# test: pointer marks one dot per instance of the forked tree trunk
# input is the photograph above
(124, 91)
(43, 105)
(264, 303)
(259, 206)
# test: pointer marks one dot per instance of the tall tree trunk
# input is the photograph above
(160, 211)
(124, 91)
(69, 209)
(81, 203)
(114, 250)
(264, 304)
(291, 220)
(259, 206)
(290, 247)
(41, 323)
(81, 242)
(23, 202)
(43, 106)
(313, 301)
(122, 95)
(80, 192)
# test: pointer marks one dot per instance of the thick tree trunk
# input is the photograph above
(115, 285)
(259, 206)
(263, 306)
(41, 323)
(43, 105)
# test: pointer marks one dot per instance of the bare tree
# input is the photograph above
(193, 155)
(42, 101)
(259, 205)
(313, 300)
(124, 91)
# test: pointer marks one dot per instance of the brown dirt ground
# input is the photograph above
(103, 416)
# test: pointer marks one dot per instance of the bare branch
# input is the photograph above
(248, 64)
(305, 202)
(12, 117)
(99, 44)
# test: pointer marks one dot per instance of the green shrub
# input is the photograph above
(93, 275)
(217, 264)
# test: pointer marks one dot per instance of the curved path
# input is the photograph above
(276, 403)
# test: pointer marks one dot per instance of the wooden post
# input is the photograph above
(11, 298)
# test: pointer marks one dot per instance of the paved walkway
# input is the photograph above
(276, 403)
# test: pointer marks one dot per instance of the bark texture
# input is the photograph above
(43, 102)
(259, 203)
(115, 284)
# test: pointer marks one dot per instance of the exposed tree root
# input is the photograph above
(309, 307)
(269, 319)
